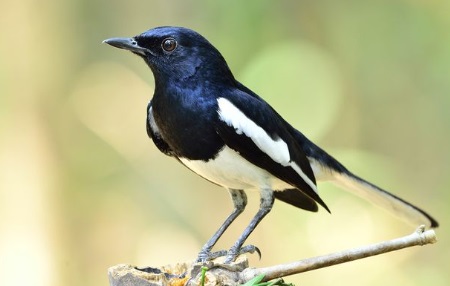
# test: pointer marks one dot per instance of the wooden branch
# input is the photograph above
(419, 237)
(238, 272)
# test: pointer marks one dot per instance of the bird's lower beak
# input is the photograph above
(127, 44)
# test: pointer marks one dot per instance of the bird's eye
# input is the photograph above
(169, 44)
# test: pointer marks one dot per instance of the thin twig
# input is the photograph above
(419, 237)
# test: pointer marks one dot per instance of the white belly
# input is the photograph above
(231, 170)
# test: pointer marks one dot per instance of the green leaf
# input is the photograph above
(254, 281)
(202, 278)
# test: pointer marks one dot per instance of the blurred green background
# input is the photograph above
(82, 187)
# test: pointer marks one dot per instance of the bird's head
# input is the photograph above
(177, 54)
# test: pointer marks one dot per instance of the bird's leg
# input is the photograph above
(239, 201)
(267, 199)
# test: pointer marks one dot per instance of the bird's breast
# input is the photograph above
(187, 125)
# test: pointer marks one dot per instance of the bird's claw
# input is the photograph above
(231, 254)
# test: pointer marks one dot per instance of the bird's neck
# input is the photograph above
(191, 77)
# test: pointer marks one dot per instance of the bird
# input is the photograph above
(226, 133)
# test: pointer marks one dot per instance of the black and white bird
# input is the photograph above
(211, 123)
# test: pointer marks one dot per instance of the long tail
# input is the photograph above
(383, 199)
(327, 168)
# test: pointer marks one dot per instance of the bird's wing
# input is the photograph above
(153, 132)
(252, 128)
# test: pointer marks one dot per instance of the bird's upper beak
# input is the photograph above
(129, 44)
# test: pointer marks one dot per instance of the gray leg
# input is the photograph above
(239, 201)
(267, 199)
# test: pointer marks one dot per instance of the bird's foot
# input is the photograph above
(231, 254)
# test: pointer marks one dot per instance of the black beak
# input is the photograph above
(127, 44)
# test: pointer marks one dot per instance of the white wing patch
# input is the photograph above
(231, 115)
(276, 149)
